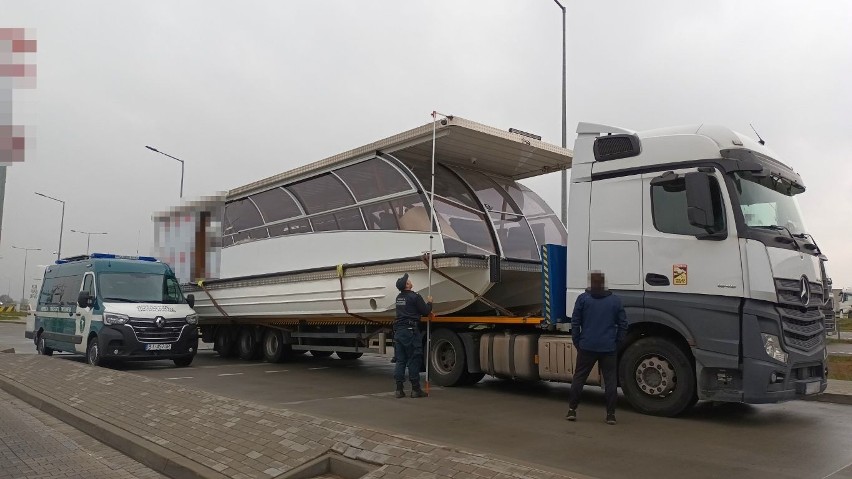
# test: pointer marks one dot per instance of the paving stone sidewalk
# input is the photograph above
(34, 445)
(240, 439)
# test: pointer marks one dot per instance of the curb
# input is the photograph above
(833, 398)
(156, 457)
(10, 321)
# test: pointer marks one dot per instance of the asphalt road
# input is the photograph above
(525, 421)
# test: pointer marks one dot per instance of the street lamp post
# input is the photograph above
(564, 121)
(26, 255)
(61, 224)
(172, 157)
(88, 237)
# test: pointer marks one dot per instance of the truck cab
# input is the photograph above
(114, 308)
(699, 231)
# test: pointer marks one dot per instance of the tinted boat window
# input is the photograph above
(381, 216)
(411, 213)
(464, 225)
(492, 196)
(515, 236)
(241, 215)
(276, 204)
(548, 230)
(446, 183)
(290, 228)
(532, 204)
(373, 178)
(323, 193)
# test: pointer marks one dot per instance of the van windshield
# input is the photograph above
(139, 288)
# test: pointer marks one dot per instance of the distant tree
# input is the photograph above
(5, 298)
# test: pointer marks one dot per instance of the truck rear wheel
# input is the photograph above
(274, 349)
(225, 342)
(248, 347)
(447, 359)
(657, 377)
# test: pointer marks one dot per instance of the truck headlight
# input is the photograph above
(773, 347)
(192, 319)
(115, 318)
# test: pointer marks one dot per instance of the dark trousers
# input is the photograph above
(408, 351)
(608, 365)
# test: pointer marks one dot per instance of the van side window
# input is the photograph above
(668, 206)
(62, 291)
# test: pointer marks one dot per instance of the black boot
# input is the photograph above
(416, 392)
(400, 393)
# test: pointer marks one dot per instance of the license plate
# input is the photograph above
(812, 387)
(158, 347)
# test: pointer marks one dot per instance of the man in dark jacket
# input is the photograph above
(407, 340)
(598, 326)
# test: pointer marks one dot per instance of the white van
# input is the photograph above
(114, 308)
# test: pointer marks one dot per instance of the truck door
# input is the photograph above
(693, 282)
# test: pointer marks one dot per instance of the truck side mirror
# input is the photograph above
(699, 201)
(190, 300)
(84, 299)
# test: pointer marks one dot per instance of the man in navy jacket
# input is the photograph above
(598, 326)
(407, 340)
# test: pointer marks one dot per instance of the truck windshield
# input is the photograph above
(140, 288)
(769, 202)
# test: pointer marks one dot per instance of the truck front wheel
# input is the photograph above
(657, 377)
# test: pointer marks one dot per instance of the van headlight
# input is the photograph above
(192, 319)
(115, 318)
(773, 347)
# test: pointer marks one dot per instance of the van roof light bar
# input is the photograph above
(115, 256)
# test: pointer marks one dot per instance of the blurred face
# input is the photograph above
(408, 284)
(596, 281)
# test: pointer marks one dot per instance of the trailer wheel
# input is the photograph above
(248, 346)
(274, 349)
(348, 355)
(447, 359)
(321, 354)
(657, 377)
(225, 342)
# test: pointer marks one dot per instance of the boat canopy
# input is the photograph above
(480, 208)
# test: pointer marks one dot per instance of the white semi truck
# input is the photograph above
(696, 228)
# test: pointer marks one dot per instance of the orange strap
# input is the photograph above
(476, 296)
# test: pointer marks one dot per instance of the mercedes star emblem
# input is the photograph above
(804, 291)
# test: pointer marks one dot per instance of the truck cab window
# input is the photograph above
(668, 206)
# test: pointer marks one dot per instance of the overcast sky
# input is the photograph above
(244, 90)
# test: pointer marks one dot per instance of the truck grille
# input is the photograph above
(147, 331)
(789, 291)
(802, 330)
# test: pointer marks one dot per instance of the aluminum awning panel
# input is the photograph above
(459, 142)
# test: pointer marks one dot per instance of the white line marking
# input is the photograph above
(314, 369)
(278, 371)
(182, 377)
(230, 374)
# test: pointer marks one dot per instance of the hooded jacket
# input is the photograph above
(598, 323)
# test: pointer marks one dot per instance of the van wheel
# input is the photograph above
(93, 353)
(184, 362)
(348, 355)
(657, 378)
(224, 342)
(42, 349)
(274, 349)
(248, 346)
(321, 354)
(447, 359)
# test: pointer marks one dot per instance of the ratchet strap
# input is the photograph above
(200, 284)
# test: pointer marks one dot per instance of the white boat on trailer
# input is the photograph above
(328, 240)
